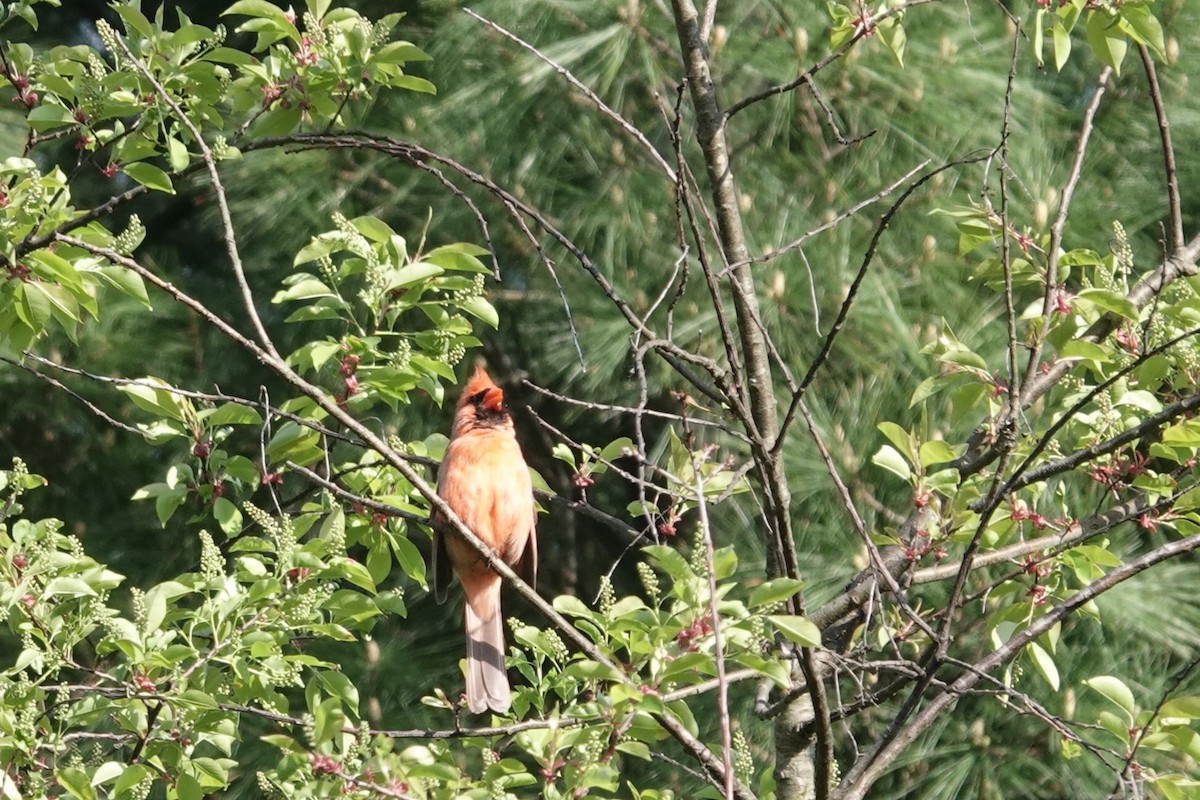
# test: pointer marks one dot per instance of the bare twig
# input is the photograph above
(88, 404)
(1174, 205)
(843, 312)
(624, 124)
(833, 223)
(1060, 222)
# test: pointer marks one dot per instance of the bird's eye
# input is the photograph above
(477, 398)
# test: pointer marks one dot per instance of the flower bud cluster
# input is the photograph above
(649, 580)
(607, 596)
(109, 38)
(401, 356)
(212, 563)
(131, 237)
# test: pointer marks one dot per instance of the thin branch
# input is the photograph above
(852, 293)
(1010, 313)
(57, 384)
(1174, 205)
(833, 223)
(593, 406)
(1070, 536)
(624, 124)
(1060, 222)
(710, 16)
(1067, 463)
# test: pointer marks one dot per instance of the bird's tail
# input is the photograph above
(487, 683)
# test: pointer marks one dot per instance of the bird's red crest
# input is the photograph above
(480, 381)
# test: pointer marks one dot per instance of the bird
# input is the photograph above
(484, 479)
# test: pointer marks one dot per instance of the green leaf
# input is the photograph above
(572, 606)
(591, 670)
(1116, 691)
(373, 228)
(341, 687)
(460, 257)
(616, 448)
(891, 460)
(413, 273)
(150, 176)
(107, 772)
(188, 788)
(637, 749)
(293, 442)
(481, 308)
(892, 34)
(936, 452)
(68, 587)
(669, 561)
(356, 573)
(160, 402)
(1183, 434)
(177, 154)
(135, 21)
(798, 629)
(1140, 398)
(563, 452)
(897, 436)
(131, 776)
(399, 53)
(1087, 351)
(774, 591)
(1106, 39)
(409, 557)
(278, 121)
(1107, 300)
(228, 55)
(1140, 23)
(1062, 45)
(124, 280)
(234, 414)
(263, 10)
(76, 782)
(1044, 663)
(48, 116)
(413, 84)
(33, 307)
(167, 503)
(227, 516)
(1187, 707)
(1039, 35)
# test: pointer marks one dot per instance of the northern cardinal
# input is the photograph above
(483, 477)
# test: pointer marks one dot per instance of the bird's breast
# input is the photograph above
(485, 480)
